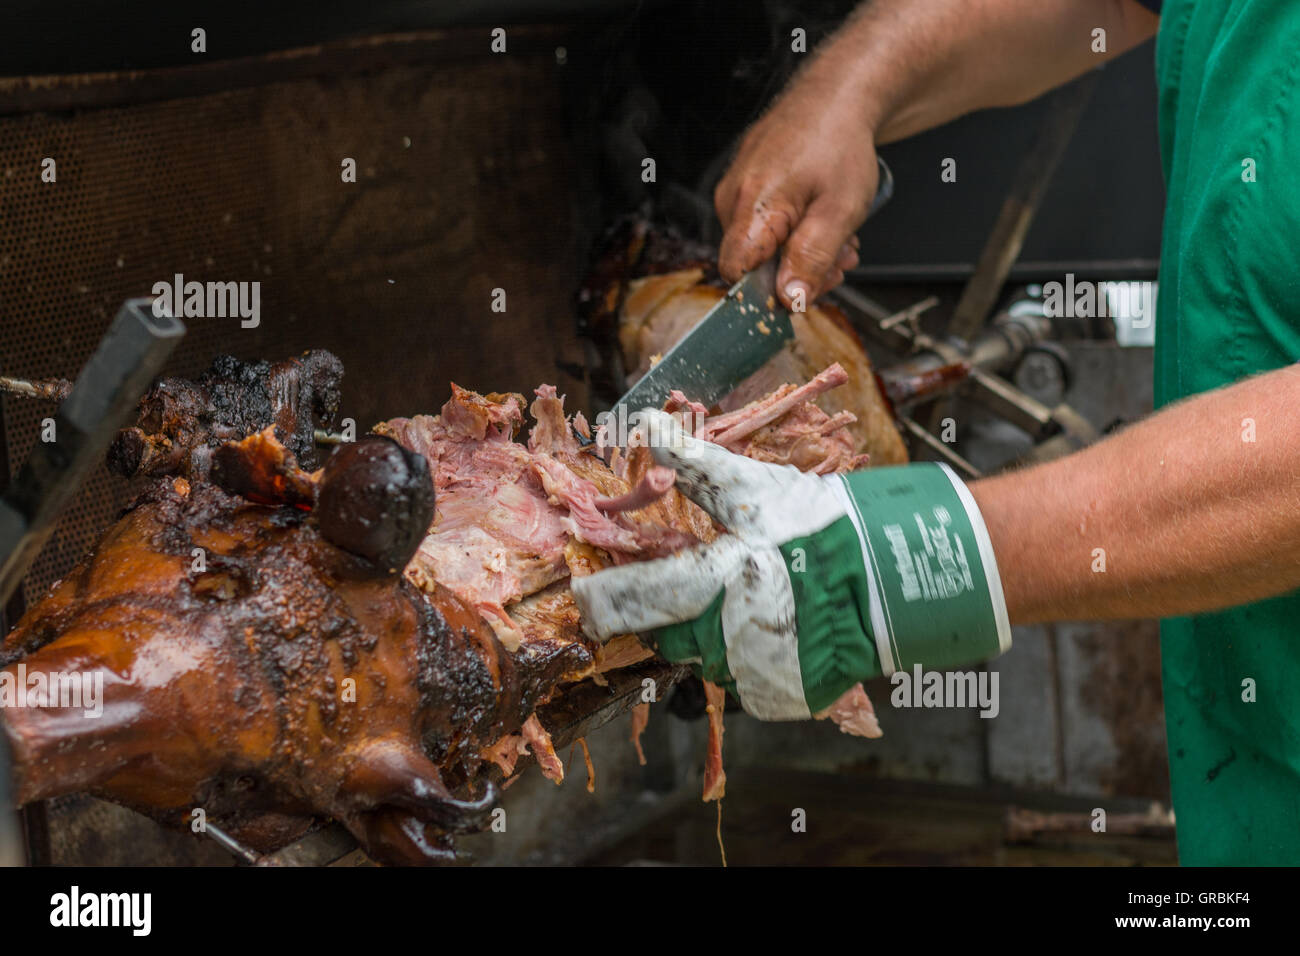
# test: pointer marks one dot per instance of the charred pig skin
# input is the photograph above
(266, 678)
(181, 422)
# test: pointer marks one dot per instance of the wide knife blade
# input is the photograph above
(733, 340)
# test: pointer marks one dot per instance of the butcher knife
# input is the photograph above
(733, 341)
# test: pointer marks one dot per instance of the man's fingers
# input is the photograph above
(724, 199)
(832, 279)
(848, 257)
(757, 229)
(635, 598)
(814, 249)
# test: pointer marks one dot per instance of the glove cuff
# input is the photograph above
(934, 594)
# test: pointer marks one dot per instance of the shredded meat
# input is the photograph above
(853, 713)
(787, 429)
(652, 486)
(507, 511)
(640, 718)
(715, 778)
(586, 759)
(535, 736)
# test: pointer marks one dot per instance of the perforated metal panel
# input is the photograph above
(463, 186)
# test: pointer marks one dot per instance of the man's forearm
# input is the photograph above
(1194, 509)
(903, 66)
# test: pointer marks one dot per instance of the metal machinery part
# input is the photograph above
(131, 354)
(12, 852)
(941, 368)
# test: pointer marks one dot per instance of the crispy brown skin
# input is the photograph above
(225, 688)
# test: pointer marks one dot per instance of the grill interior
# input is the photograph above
(464, 177)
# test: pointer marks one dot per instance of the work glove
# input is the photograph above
(821, 582)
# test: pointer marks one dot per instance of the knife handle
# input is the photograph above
(885, 190)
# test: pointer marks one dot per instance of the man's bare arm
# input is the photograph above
(918, 65)
(805, 173)
(1188, 514)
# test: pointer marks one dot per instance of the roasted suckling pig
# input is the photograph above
(370, 640)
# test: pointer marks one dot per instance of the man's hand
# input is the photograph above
(804, 177)
(805, 174)
(820, 583)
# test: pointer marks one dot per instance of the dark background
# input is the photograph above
(679, 81)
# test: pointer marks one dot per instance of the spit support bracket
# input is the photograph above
(934, 368)
(129, 356)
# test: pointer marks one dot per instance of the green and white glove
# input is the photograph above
(822, 581)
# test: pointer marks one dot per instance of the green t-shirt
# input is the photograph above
(1229, 307)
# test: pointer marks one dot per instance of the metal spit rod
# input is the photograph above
(57, 389)
(54, 389)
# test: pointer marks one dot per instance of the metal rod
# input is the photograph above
(231, 845)
(1018, 210)
(54, 389)
(910, 313)
(941, 448)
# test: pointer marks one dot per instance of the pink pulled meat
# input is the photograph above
(785, 428)
(715, 778)
(852, 713)
(654, 484)
(514, 520)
